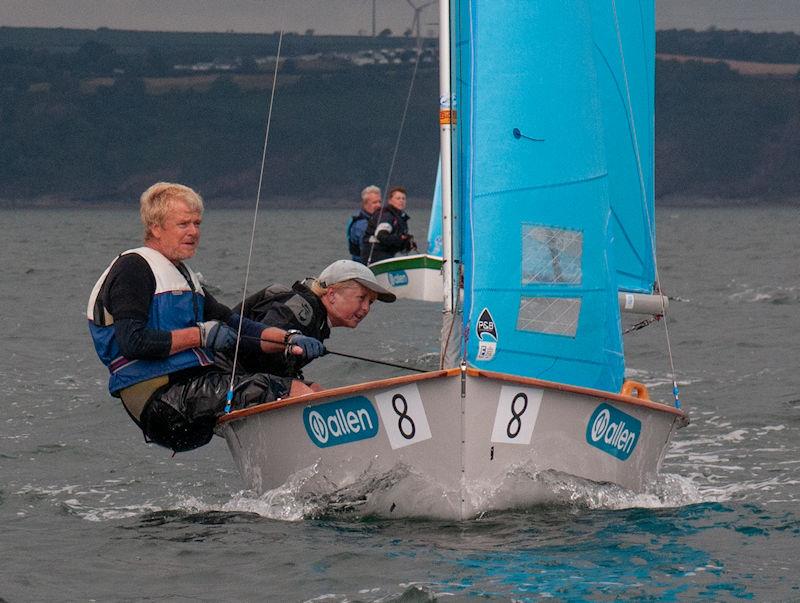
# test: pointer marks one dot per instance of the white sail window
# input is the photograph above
(551, 255)
(551, 315)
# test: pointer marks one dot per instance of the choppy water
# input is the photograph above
(90, 512)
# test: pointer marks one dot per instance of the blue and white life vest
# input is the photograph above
(174, 306)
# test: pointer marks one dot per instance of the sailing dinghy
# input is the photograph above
(418, 275)
(547, 168)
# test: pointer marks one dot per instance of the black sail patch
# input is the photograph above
(485, 325)
(486, 330)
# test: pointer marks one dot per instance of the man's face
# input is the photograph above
(178, 235)
(348, 306)
(398, 200)
(371, 203)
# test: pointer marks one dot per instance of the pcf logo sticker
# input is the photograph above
(486, 330)
(340, 422)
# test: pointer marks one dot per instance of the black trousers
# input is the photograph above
(182, 415)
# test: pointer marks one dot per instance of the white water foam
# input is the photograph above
(765, 293)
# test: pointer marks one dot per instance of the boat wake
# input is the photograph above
(397, 493)
(400, 493)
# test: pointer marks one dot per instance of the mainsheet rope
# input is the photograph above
(229, 399)
(406, 367)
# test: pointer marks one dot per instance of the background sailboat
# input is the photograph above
(530, 214)
(418, 275)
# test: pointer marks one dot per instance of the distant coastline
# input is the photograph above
(90, 118)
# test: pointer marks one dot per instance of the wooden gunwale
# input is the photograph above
(596, 393)
(333, 392)
(453, 372)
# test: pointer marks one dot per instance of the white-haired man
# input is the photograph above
(370, 202)
(158, 330)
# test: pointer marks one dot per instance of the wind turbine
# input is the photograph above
(373, 15)
(415, 23)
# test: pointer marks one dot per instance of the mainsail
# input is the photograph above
(624, 38)
(435, 222)
(533, 193)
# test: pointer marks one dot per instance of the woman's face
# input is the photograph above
(349, 304)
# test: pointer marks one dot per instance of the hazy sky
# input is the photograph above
(347, 16)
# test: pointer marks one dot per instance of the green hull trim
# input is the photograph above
(407, 263)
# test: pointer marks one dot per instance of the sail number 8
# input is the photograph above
(403, 416)
(515, 418)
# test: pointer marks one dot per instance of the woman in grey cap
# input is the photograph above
(340, 297)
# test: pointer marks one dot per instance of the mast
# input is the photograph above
(446, 119)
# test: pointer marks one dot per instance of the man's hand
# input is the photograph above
(216, 336)
(311, 348)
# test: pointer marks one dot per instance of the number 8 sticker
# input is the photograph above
(403, 416)
(516, 414)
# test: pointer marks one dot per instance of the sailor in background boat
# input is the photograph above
(387, 230)
(157, 330)
(370, 202)
(340, 297)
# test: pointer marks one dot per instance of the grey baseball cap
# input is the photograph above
(348, 270)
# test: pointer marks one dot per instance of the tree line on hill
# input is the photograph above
(759, 47)
(334, 129)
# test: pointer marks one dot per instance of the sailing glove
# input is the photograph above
(217, 336)
(312, 348)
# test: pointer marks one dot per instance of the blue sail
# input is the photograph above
(435, 223)
(624, 37)
(532, 193)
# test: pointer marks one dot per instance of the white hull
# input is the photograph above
(438, 454)
(411, 276)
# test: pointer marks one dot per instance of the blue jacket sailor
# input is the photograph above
(158, 330)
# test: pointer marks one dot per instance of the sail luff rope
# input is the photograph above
(255, 219)
(396, 146)
(467, 313)
(460, 312)
(643, 191)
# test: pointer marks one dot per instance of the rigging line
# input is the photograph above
(642, 324)
(354, 357)
(640, 172)
(255, 219)
(396, 146)
(383, 362)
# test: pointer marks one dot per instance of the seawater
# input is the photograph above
(91, 512)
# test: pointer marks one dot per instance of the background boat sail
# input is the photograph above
(540, 237)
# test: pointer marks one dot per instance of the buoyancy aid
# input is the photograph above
(177, 304)
(390, 221)
(298, 308)
(358, 223)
